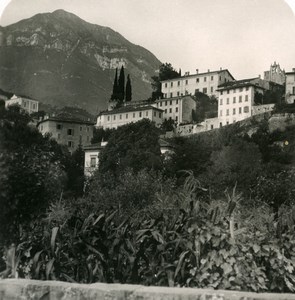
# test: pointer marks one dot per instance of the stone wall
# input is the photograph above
(22, 289)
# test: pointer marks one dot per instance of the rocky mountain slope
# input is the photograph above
(61, 60)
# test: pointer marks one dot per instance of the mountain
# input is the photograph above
(63, 60)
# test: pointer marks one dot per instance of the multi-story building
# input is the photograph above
(91, 158)
(25, 103)
(290, 87)
(206, 83)
(178, 109)
(237, 99)
(129, 114)
(66, 130)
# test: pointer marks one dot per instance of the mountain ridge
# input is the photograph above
(60, 59)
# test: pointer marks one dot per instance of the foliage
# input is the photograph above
(128, 96)
(101, 135)
(206, 106)
(168, 125)
(134, 146)
(166, 71)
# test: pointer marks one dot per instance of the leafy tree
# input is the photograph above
(168, 125)
(206, 106)
(134, 146)
(166, 71)
(128, 89)
(100, 134)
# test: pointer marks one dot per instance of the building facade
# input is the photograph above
(70, 132)
(129, 114)
(236, 101)
(91, 158)
(206, 83)
(290, 87)
(27, 104)
(275, 74)
(178, 109)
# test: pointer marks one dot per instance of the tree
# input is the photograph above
(121, 86)
(166, 71)
(100, 134)
(115, 87)
(168, 125)
(128, 96)
(206, 106)
(134, 146)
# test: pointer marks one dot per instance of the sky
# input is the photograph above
(244, 36)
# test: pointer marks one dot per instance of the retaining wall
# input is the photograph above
(22, 289)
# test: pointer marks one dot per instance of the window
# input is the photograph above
(246, 98)
(58, 126)
(120, 117)
(140, 114)
(70, 131)
(186, 82)
(34, 106)
(234, 90)
(211, 78)
(108, 118)
(134, 113)
(220, 113)
(80, 128)
(87, 129)
(114, 117)
(227, 100)
(227, 91)
(220, 78)
(227, 112)
(246, 109)
(176, 118)
(58, 136)
(161, 103)
(166, 84)
(221, 92)
(205, 79)
(146, 113)
(70, 144)
(165, 111)
(247, 88)
(92, 161)
(293, 90)
(211, 89)
(171, 95)
(171, 83)
(241, 89)
(205, 90)
(87, 139)
(240, 99)
(176, 101)
(160, 115)
(176, 109)
(178, 93)
(240, 110)
(170, 110)
(170, 102)
(197, 79)
(80, 139)
(165, 95)
(227, 122)
(234, 100)
(155, 114)
(126, 116)
(234, 111)
(212, 127)
(178, 83)
(220, 101)
(165, 103)
(25, 103)
(220, 124)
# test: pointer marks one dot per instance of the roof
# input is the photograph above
(95, 146)
(174, 98)
(290, 73)
(64, 118)
(129, 109)
(200, 74)
(239, 83)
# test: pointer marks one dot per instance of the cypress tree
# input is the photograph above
(115, 87)
(128, 96)
(121, 85)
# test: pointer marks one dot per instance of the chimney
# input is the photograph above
(220, 68)
(208, 70)
(293, 69)
(197, 71)
(259, 76)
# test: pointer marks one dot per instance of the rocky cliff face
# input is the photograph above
(62, 60)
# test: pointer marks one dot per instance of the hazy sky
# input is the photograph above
(244, 36)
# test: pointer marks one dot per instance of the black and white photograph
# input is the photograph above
(147, 149)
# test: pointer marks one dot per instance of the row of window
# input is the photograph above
(204, 91)
(140, 115)
(246, 110)
(186, 81)
(235, 90)
(234, 100)
(170, 110)
(165, 103)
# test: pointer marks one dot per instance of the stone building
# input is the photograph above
(129, 114)
(67, 130)
(275, 74)
(26, 103)
(91, 158)
(206, 83)
(290, 87)
(178, 109)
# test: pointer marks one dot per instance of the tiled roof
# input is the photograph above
(238, 84)
(95, 146)
(173, 98)
(63, 117)
(129, 109)
(199, 74)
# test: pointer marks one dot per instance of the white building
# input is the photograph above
(206, 83)
(178, 109)
(290, 87)
(129, 114)
(236, 101)
(91, 159)
(27, 104)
